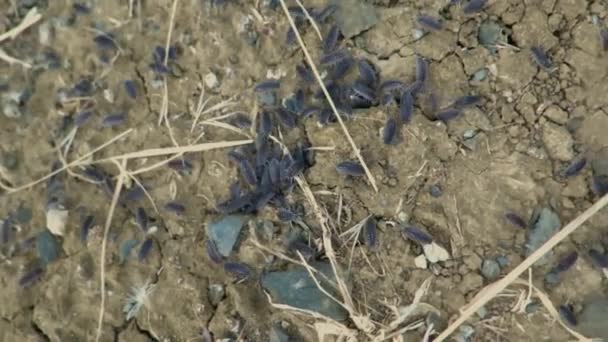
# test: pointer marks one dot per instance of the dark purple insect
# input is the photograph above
(265, 126)
(82, 117)
(239, 270)
(310, 111)
(600, 260)
(286, 215)
(6, 227)
(349, 168)
(604, 38)
(305, 73)
(324, 116)
(567, 315)
(290, 37)
(134, 194)
(130, 88)
(364, 91)
(541, 58)
(83, 87)
(474, 6)
(108, 186)
(268, 85)
(113, 120)
(370, 235)
(94, 174)
(180, 165)
(447, 114)
(406, 107)
(389, 132)
(331, 39)
(141, 218)
(240, 120)
(575, 166)
(274, 171)
(286, 118)
(175, 207)
(516, 220)
(296, 12)
(416, 235)
(81, 8)
(85, 227)
(105, 41)
(247, 170)
(31, 276)
(145, 249)
(422, 69)
(466, 101)
(367, 72)
(599, 185)
(392, 86)
(213, 253)
(333, 58)
(158, 54)
(429, 23)
(566, 262)
(299, 246)
(261, 200)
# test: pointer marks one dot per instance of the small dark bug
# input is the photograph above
(268, 85)
(333, 58)
(286, 118)
(474, 6)
(575, 166)
(261, 200)
(435, 190)
(286, 215)
(604, 38)
(566, 262)
(274, 171)
(81, 8)
(213, 253)
(325, 115)
(83, 87)
(465, 101)
(94, 174)
(299, 246)
(406, 107)
(180, 164)
(134, 194)
(105, 41)
(31, 276)
(389, 132)
(145, 249)
(362, 90)
(567, 315)
(159, 68)
(175, 207)
(247, 171)
(85, 227)
(541, 58)
(422, 69)
(429, 23)
(130, 88)
(599, 185)
(290, 37)
(305, 73)
(296, 12)
(141, 218)
(367, 72)
(265, 126)
(82, 118)
(447, 114)
(391, 86)
(331, 39)
(349, 168)
(370, 237)
(240, 120)
(341, 68)
(240, 271)
(516, 220)
(113, 120)
(158, 54)
(415, 87)
(600, 260)
(416, 235)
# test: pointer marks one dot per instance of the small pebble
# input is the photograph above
(211, 80)
(216, 293)
(435, 190)
(490, 269)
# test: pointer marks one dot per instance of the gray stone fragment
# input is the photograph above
(225, 232)
(490, 269)
(544, 225)
(354, 16)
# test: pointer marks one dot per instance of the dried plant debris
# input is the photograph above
(138, 298)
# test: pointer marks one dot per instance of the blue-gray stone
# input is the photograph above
(490, 269)
(225, 232)
(296, 288)
(532, 308)
(125, 249)
(490, 34)
(592, 320)
(267, 98)
(48, 247)
(354, 16)
(544, 225)
(503, 261)
(552, 278)
(435, 190)
(480, 75)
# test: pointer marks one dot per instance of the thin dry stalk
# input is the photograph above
(312, 21)
(30, 19)
(117, 189)
(171, 21)
(492, 290)
(328, 97)
(12, 60)
(78, 161)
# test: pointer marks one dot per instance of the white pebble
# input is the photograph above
(211, 81)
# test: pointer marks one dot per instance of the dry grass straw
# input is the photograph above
(310, 19)
(30, 19)
(121, 177)
(328, 97)
(490, 291)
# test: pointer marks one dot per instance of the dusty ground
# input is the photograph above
(530, 124)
